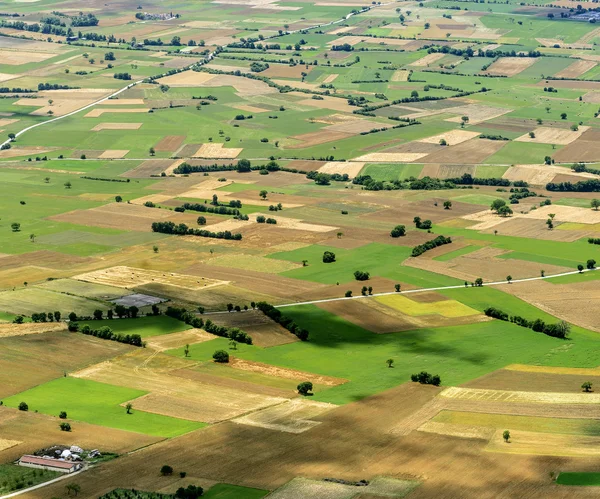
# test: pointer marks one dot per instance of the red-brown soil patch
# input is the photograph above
(170, 143)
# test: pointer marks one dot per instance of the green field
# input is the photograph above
(13, 477)
(589, 479)
(226, 491)
(146, 327)
(100, 404)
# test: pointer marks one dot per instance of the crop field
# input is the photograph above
(383, 174)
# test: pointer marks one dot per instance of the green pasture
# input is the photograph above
(146, 327)
(590, 479)
(227, 491)
(100, 404)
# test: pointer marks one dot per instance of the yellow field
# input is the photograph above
(446, 308)
(544, 444)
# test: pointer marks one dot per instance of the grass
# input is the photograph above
(32, 300)
(446, 308)
(565, 426)
(227, 491)
(377, 259)
(14, 477)
(590, 479)
(99, 404)
(458, 354)
(146, 327)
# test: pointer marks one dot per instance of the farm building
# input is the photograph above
(48, 463)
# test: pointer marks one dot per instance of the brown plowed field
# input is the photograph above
(470, 152)
(170, 143)
(585, 148)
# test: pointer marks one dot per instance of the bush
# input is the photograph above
(399, 230)
(65, 426)
(305, 387)
(221, 356)
(426, 379)
(328, 257)
(23, 407)
(359, 275)
(62, 415)
(166, 470)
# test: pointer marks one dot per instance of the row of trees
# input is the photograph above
(183, 230)
(559, 330)
(107, 333)
(434, 243)
(274, 314)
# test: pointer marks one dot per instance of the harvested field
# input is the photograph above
(15, 152)
(151, 167)
(283, 71)
(535, 229)
(172, 395)
(293, 416)
(585, 371)
(390, 157)
(351, 168)
(97, 113)
(576, 303)
(559, 136)
(187, 79)
(116, 126)
(251, 262)
(333, 103)
(544, 444)
(282, 372)
(541, 174)
(513, 396)
(510, 66)
(477, 113)
(217, 151)
(16, 58)
(457, 430)
(576, 69)
(128, 277)
(427, 60)
(586, 148)
(170, 143)
(316, 138)
(330, 78)
(177, 340)
(354, 126)
(508, 379)
(470, 152)
(7, 330)
(113, 154)
(400, 75)
(566, 214)
(264, 331)
(452, 137)
(123, 102)
(7, 444)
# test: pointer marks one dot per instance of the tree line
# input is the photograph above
(107, 333)
(183, 230)
(274, 314)
(193, 320)
(434, 243)
(559, 330)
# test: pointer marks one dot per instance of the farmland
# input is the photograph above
(301, 249)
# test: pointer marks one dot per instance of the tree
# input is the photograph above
(339, 235)
(201, 220)
(591, 264)
(587, 387)
(221, 356)
(15, 226)
(497, 204)
(98, 314)
(305, 388)
(121, 311)
(128, 407)
(348, 294)
(465, 120)
(390, 362)
(233, 344)
(580, 268)
(447, 205)
(443, 142)
(166, 470)
(542, 273)
(397, 288)
(263, 194)
(479, 282)
(65, 426)
(398, 231)
(186, 350)
(504, 211)
(151, 151)
(72, 317)
(322, 179)
(118, 199)
(328, 257)
(62, 415)
(595, 203)
(508, 278)
(244, 166)
(32, 238)
(133, 311)
(506, 435)
(563, 116)
(190, 492)
(23, 406)
(68, 184)
(304, 264)
(155, 249)
(73, 487)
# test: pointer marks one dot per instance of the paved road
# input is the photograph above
(419, 290)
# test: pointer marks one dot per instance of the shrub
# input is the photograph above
(359, 275)
(328, 257)
(23, 407)
(65, 426)
(166, 470)
(305, 388)
(221, 356)
(399, 230)
(426, 379)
